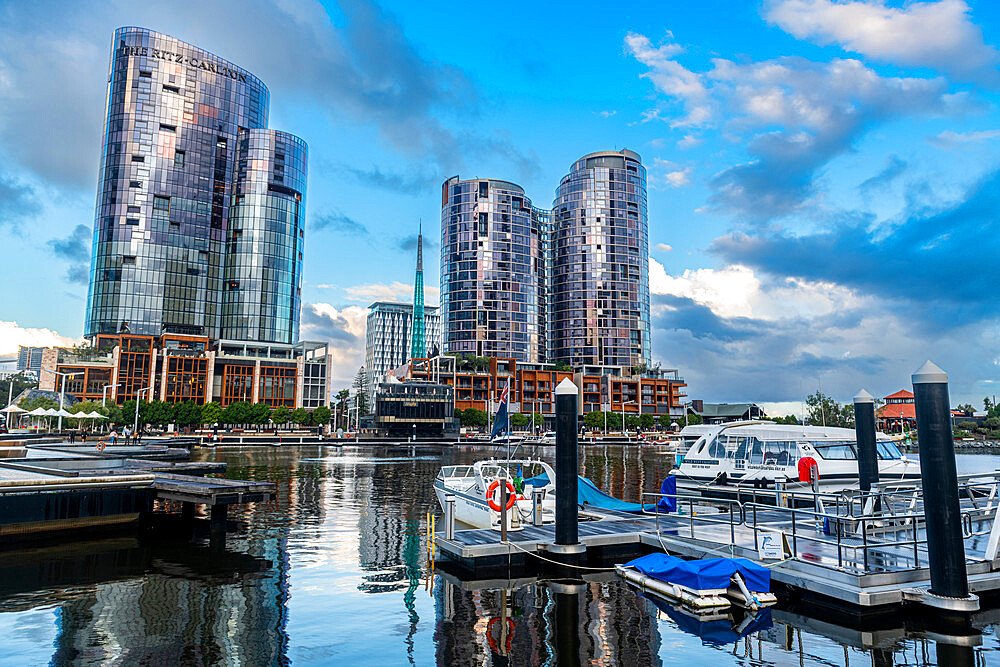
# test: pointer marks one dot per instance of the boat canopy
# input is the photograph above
(587, 493)
(708, 573)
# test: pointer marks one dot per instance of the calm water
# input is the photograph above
(335, 572)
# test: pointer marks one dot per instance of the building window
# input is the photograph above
(167, 128)
(132, 221)
(178, 159)
(145, 73)
(171, 89)
(135, 184)
(138, 158)
(161, 204)
(128, 259)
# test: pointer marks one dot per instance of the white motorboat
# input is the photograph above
(476, 488)
(758, 453)
(508, 439)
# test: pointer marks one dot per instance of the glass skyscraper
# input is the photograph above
(599, 309)
(199, 220)
(492, 270)
(569, 284)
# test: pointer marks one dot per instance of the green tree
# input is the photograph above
(561, 365)
(236, 413)
(361, 389)
(539, 420)
(280, 415)
(341, 404)
(321, 416)
(42, 402)
(474, 417)
(300, 416)
(647, 421)
(665, 421)
(259, 414)
(614, 420)
(823, 410)
(594, 420)
(211, 413)
(187, 413)
(693, 419)
(17, 383)
(632, 422)
(157, 413)
(519, 421)
(787, 419)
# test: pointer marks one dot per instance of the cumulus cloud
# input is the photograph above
(951, 139)
(13, 335)
(664, 247)
(411, 182)
(606, 113)
(938, 35)
(794, 115)
(669, 174)
(344, 329)
(75, 248)
(933, 261)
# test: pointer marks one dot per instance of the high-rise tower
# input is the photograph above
(599, 312)
(492, 270)
(199, 222)
(419, 341)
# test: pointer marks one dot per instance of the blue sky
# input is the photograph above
(822, 175)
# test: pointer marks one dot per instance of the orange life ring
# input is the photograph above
(510, 495)
(493, 642)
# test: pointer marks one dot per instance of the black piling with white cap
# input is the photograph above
(864, 429)
(567, 515)
(939, 480)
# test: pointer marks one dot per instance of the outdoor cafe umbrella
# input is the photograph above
(11, 410)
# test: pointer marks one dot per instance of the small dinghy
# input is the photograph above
(704, 585)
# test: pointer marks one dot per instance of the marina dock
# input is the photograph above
(51, 489)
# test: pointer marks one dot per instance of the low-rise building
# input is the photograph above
(175, 367)
(479, 382)
(898, 413)
(416, 408)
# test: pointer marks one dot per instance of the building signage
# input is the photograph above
(127, 51)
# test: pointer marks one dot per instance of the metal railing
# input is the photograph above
(843, 523)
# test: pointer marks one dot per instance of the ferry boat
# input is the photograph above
(757, 453)
(476, 488)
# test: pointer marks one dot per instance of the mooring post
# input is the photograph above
(864, 434)
(567, 517)
(939, 481)
(217, 518)
(449, 516)
(187, 512)
(567, 599)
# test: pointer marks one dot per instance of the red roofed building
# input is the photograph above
(898, 409)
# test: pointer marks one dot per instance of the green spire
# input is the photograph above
(418, 341)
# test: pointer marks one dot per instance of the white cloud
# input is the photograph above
(344, 330)
(689, 141)
(939, 35)
(394, 291)
(670, 174)
(663, 247)
(671, 78)
(736, 291)
(605, 114)
(678, 178)
(950, 139)
(12, 335)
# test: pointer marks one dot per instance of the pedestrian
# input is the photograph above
(126, 434)
(83, 437)
(113, 436)
(72, 437)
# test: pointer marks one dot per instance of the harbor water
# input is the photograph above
(335, 571)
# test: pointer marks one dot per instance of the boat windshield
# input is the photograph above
(887, 450)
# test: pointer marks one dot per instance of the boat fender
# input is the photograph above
(511, 499)
(805, 464)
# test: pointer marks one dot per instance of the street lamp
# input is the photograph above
(135, 427)
(62, 390)
(104, 393)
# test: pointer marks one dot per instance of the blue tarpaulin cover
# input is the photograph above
(588, 493)
(705, 573)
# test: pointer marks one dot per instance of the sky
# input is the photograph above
(822, 176)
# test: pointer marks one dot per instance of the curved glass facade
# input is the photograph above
(263, 269)
(492, 270)
(599, 310)
(168, 166)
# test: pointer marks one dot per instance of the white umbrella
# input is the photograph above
(51, 412)
(13, 408)
(63, 413)
(95, 415)
(39, 412)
